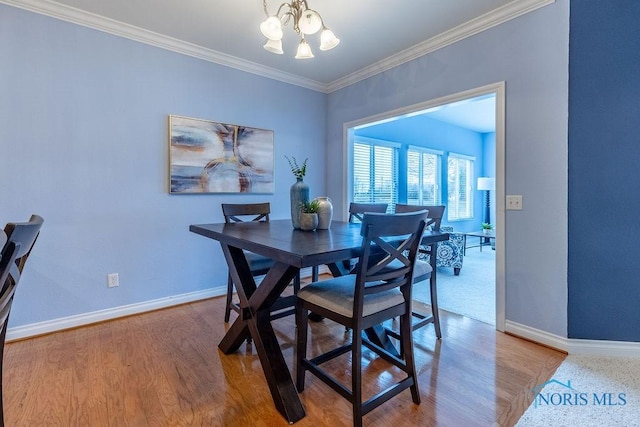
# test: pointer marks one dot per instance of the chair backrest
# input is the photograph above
(436, 212)
(357, 210)
(16, 240)
(389, 247)
(20, 238)
(246, 212)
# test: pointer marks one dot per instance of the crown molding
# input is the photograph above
(70, 14)
(477, 25)
(117, 28)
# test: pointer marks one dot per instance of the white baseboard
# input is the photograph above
(536, 335)
(604, 348)
(49, 326)
(575, 346)
(55, 325)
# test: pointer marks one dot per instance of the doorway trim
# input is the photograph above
(497, 89)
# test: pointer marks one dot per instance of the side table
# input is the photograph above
(481, 234)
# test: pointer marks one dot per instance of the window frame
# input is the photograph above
(395, 170)
(438, 154)
(453, 208)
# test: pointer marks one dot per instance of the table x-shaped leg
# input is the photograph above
(254, 320)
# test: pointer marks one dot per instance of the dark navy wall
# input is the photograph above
(604, 170)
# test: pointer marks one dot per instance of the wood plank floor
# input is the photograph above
(164, 369)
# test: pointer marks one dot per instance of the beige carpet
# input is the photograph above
(472, 293)
(588, 391)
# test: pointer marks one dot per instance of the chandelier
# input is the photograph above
(305, 22)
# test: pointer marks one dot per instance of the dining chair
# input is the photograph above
(356, 213)
(19, 238)
(258, 264)
(363, 300)
(423, 269)
(357, 210)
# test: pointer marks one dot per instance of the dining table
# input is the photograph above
(291, 250)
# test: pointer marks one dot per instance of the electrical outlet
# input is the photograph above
(112, 280)
(514, 203)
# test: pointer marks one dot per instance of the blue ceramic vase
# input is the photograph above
(299, 194)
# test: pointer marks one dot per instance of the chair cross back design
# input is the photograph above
(357, 210)
(20, 238)
(258, 264)
(240, 212)
(379, 290)
(435, 213)
(356, 213)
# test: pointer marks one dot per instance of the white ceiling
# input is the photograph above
(477, 114)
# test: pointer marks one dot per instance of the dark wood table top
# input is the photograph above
(278, 240)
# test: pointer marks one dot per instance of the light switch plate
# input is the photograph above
(514, 203)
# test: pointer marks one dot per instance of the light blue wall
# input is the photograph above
(83, 142)
(530, 54)
(426, 132)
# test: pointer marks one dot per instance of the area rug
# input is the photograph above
(472, 293)
(588, 391)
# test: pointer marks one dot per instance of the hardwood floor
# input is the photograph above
(164, 369)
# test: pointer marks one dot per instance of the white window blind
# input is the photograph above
(375, 173)
(423, 176)
(460, 194)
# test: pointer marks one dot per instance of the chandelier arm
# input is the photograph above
(280, 9)
(296, 13)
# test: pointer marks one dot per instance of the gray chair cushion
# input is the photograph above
(258, 262)
(421, 271)
(337, 295)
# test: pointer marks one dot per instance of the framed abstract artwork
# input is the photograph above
(212, 157)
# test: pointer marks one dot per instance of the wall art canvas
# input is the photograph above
(211, 157)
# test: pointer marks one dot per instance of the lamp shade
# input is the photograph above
(272, 28)
(304, 50)
(486, 183)
(310, 22)
(328, 40)
(274, 46)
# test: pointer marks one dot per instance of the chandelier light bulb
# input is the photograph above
(274, 46)
(328, 40)
(310, 22)
(304, 50)
(271, 28)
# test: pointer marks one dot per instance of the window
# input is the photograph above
(460, 194)
(423, 176)
(375, 171)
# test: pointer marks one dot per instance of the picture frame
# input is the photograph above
(212, 157)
